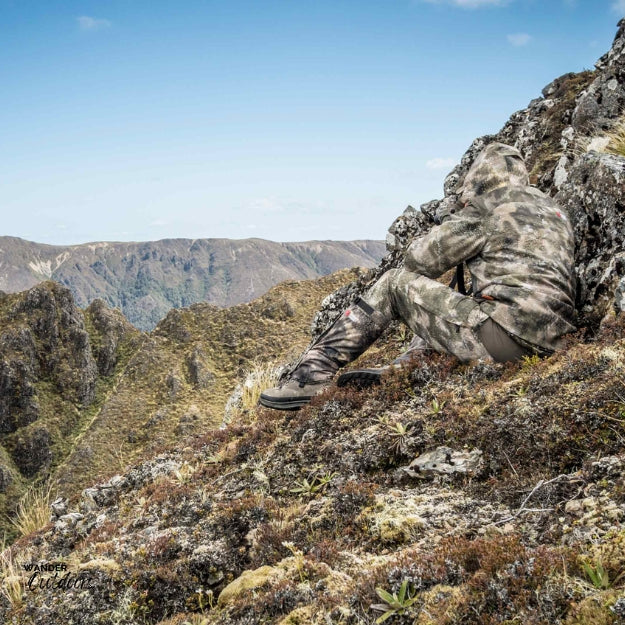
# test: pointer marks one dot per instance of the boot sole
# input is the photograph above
(361, 378)
(284, 404)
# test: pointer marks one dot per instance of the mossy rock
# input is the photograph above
(394, 522)
(299, 616)
(440, 604)
(595, 610)
(249, 580)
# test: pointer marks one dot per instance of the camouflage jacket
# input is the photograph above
(518, 246)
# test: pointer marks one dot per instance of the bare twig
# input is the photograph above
(511, 465)
(225, 475)
(541, 484)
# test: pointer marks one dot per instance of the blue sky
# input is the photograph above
(288, 120)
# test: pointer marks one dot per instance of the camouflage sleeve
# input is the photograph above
(460, 237)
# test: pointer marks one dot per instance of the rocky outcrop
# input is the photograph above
(109, 328)
(594, 195)
(603, 101)
(31, 451)
(553, 134)
(5, 478)
(43, 339)
(199, 374)
(53, 358)
(18, 402)
(63, 353)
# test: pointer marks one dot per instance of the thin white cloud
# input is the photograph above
(519, 39)
(159, 222)
(92, 23)
(267, 205)
(619, 6)
(440, 163)
(471, 4)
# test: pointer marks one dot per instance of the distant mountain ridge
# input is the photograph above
(146, 279)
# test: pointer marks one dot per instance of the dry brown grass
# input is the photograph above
(12, 584)
(616, 138)
(261, 375)
(33, 510)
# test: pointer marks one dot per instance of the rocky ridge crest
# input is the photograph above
(558, 134)
(83, 393)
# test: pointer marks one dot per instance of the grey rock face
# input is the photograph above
(5, 478)
(44, 339)
(58, 508)
(604, 99)
(32, 452)
(111, 327)
(18, 404)
(619, 296)
(50, 318)
(445, 461)
(619, 607)
(593, 196)
(45, 350)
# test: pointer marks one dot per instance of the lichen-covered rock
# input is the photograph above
(58, 507)
(446, 461)
(609, 467)
(604, 99)
(594, 197)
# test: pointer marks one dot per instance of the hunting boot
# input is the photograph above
(350, 335)
(362, 378)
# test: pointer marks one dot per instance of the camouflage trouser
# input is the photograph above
(443, 318)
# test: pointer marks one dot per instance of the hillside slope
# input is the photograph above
(145, 280)
(83, 393)
(516, 498)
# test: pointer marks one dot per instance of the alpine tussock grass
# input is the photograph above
(616, 138)
(261, 375)
(11, 586)
(33, 509)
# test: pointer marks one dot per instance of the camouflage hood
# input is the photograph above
(498, 165)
